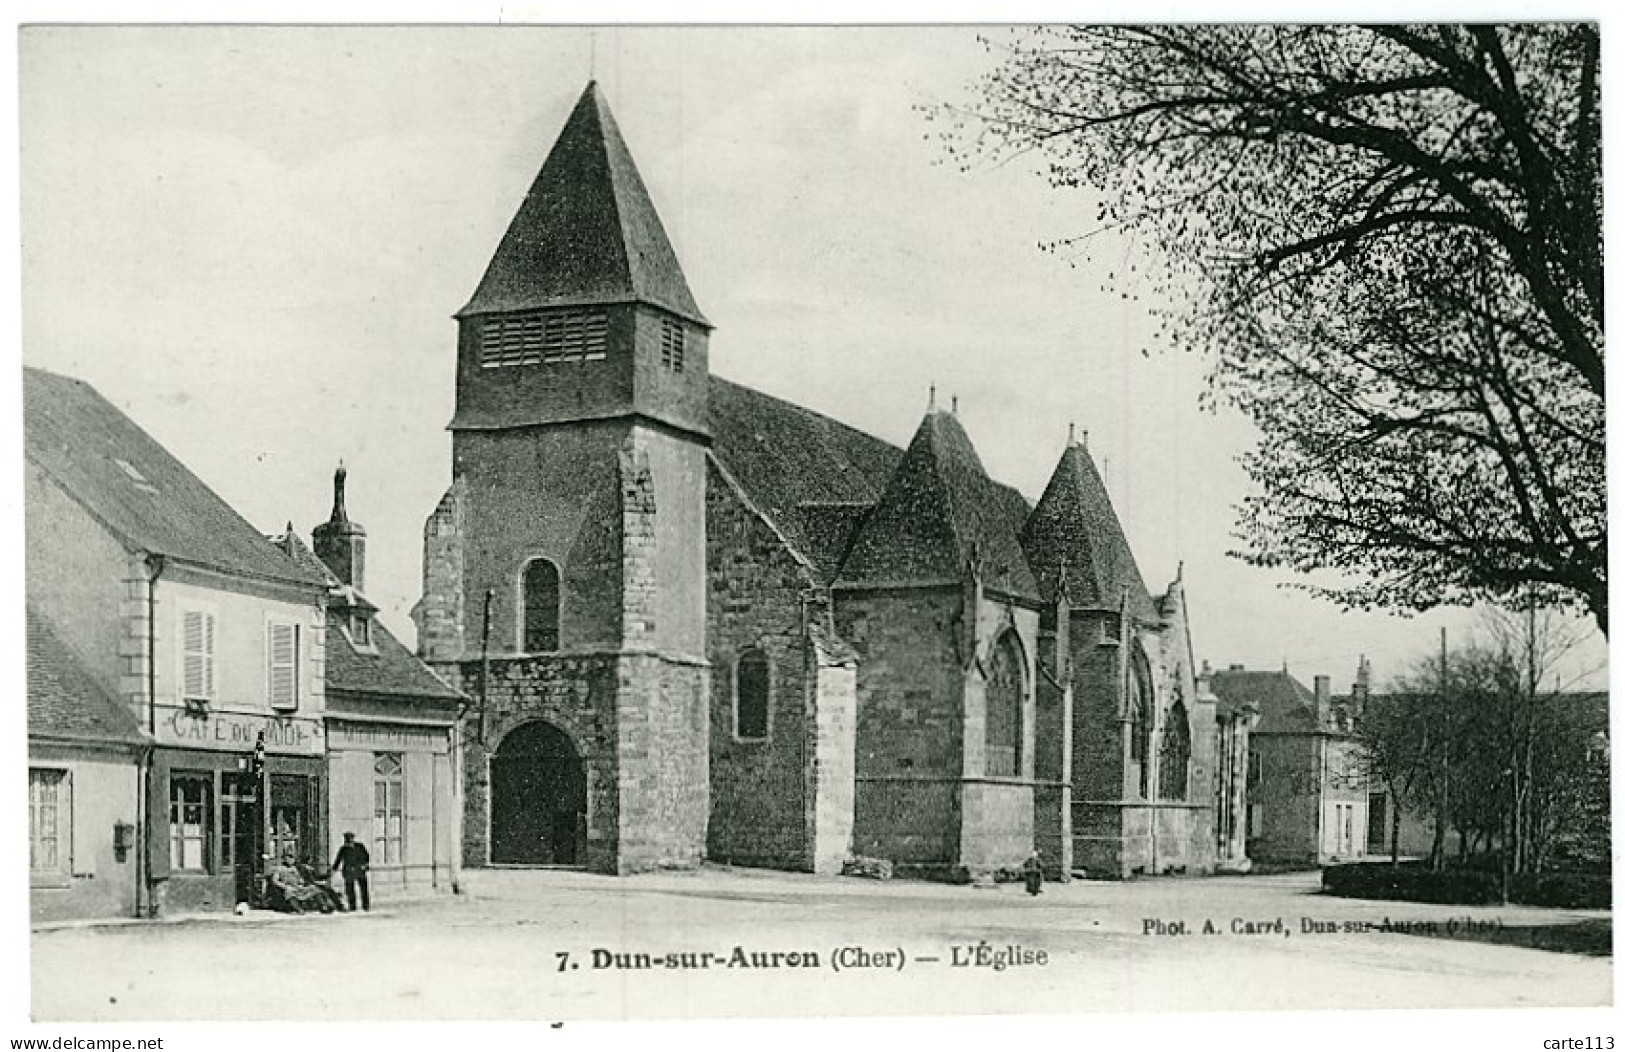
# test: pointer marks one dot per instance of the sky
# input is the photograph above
(252, 240)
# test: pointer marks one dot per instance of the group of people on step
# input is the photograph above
(291, 887)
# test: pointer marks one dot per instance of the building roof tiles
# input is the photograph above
(65, 700)
(140, 492)
(586, 232)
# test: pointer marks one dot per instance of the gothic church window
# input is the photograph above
(540, 607)
(1139, 708)
(752, 688)
(1176, 754)
(554, 338)
(1005, 690)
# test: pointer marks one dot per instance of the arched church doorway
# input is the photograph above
(538, 799)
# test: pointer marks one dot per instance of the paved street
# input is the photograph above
(496, 952)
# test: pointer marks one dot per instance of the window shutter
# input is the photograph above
(197, 649)
(283, 648)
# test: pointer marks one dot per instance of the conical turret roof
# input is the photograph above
(1074, 526)
(587, 232)
(939, 515)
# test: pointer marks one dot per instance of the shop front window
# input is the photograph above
(291, 804)
(190, 802)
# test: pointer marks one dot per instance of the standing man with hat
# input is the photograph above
(353, 861)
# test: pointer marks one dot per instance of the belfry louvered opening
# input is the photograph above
(671, 345)
(551, 338)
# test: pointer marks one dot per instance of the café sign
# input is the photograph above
(238, 731)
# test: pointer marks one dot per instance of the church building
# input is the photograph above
(696, 622)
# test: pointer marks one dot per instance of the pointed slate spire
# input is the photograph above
(587, 232)
(1075, 526)
(939, 516)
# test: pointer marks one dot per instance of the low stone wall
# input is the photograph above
(1117, 840)
(997, 829)
(913, 822)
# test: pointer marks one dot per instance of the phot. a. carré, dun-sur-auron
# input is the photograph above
(583, 522)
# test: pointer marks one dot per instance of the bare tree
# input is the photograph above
(1480, 742)
(1389, 240)
(1535, 723)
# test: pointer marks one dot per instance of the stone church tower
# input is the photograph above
(697, 621)
(564, 581)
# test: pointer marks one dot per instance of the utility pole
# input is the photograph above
(485, 658)
(263, 841)
(1526, 760)
(1441, 815)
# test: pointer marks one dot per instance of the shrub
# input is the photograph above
(1411, 882)
(1414, 882)
(1575, 891)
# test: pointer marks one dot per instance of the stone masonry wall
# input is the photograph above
(1052, 759)
(910, 722)
(757, 594)
(664, 774)
(662, 717)
(542, 493)
(1187, 844)
(1097, 677)
(1284, 799)
(1099, 824)
(575, 694)
(439, 614)
(832, 775)
(996, 830)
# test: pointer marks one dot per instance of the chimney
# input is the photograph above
(340, 543)
(1323, 696)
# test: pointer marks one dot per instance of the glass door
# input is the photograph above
(290, 818)
(240, 830)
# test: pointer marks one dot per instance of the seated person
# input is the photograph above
(335, 902)
(287, 890)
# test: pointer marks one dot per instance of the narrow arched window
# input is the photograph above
(1176, 754)
(1005, 690)
(1139, 709)
(540, 607)
(751, 690)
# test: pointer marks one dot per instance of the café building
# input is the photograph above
(199, 628)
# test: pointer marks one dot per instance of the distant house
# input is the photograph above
(1233, 723)
(155, 606)
(389, 723)
(85, 764)
(1309, 800)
